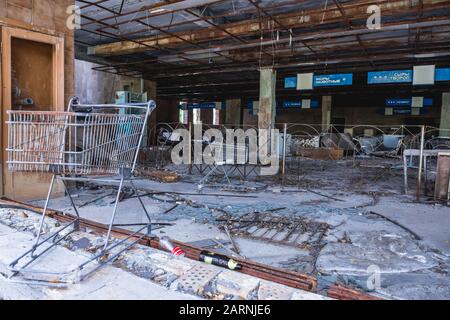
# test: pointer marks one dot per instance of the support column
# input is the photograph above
(149, 87)
(445, 115)
(233, 113)
(267, 98)
(326, 112)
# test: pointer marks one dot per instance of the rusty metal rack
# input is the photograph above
(87, 143)
(287, 230)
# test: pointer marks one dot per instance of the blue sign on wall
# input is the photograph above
(443, 74)
(249, 106)
(290, 83)
(398, 102)
(330, 80)
(292, 104)
(203, 105)
(404, 111)
(299, 104)
(427, 102)
(395, 76)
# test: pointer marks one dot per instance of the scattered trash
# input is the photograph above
(158, 175)
(167, 244)
(227, 231)
(82, 243)
(345, 239)
(219, 261)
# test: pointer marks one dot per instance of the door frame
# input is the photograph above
(7, 33)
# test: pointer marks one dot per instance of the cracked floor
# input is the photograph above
(411, 255)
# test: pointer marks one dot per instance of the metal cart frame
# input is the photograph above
(111, 138)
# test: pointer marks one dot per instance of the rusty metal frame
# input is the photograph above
(234, 53)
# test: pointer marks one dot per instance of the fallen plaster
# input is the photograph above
(356, 239)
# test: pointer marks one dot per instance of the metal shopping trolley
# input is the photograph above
(88, 143)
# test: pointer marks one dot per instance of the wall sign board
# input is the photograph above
(290, 83)
(407, 102)
(204, 105)
(314, 104)
(331, 80)
(443, 74)
(398, 102)
(394, 76)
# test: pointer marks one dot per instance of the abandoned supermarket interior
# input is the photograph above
(245, 150)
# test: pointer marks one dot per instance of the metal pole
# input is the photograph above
(405, 171)
(419, 177)
(150, 108)
(113, 216)
(284, 149)
(190, 147)
(41, 224)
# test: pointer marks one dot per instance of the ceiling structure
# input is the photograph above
(210, 49)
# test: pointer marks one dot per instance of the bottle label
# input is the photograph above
(177, 251)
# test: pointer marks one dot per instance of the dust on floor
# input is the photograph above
(354, 224)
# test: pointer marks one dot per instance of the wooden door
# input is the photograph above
(27, 51)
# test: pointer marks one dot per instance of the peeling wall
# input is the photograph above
(48, 17)
(100, 87)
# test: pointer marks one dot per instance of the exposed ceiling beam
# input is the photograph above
(307, 18)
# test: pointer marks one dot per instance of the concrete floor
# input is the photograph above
(410, 269)
(109, 283)
(139, 273)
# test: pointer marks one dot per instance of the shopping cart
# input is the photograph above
(88, 143)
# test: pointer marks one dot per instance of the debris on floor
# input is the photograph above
(158, 175)
(178, 276)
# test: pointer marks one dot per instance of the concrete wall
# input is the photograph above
(100, 87)
(167, 110)
(360, 111)
(445, 115)
(233, 112)
(312, 116)
(46, 16)
(250, 120)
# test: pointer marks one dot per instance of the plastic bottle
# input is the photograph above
(167, 244)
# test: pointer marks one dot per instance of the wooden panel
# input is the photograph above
(320, 154)
(443, 177)
(19, 185)
(32, 67)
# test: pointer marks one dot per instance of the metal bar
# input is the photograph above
(419, 176)
(113, 216)
(34, 256)
(41, 223)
